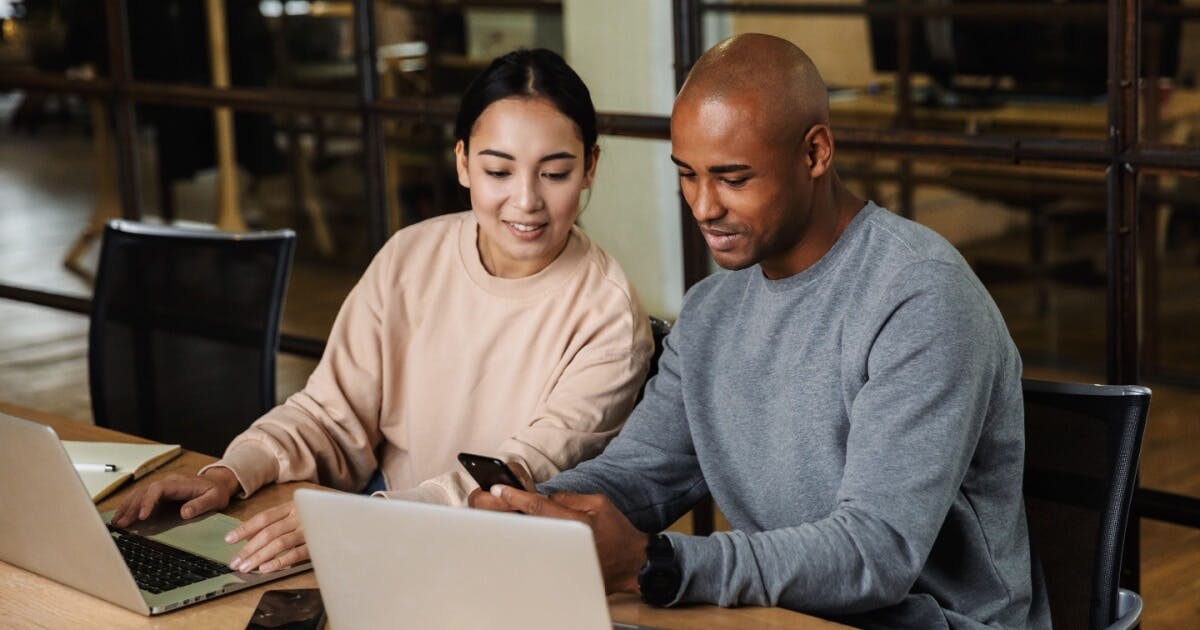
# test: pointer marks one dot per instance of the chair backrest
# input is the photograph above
(184, 330)
(659, 329)
(1082, 444)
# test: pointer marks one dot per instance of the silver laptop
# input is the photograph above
(384, 563)
(50, 526)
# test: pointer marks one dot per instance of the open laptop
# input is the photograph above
(386, 563)
(50, 526)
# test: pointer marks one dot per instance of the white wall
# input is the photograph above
(623, 50)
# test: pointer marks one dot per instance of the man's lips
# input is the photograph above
(720, 240)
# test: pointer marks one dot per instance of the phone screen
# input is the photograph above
(289, 609)
(488, 471)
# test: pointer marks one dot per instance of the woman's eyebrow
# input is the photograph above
(561, 155)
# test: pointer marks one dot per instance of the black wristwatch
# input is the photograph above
(659, 579)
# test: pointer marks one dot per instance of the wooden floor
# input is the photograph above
(45, 198)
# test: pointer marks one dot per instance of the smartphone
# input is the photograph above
(289, 609)
(489, 471)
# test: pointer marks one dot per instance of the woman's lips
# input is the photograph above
(526, 231)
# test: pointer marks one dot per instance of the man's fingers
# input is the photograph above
(533, 504)
(523, 475)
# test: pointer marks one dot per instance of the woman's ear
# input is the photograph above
(589, 174)
(460, 162)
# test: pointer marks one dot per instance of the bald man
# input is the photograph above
(847, 392)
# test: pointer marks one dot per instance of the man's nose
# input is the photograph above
(706, 203)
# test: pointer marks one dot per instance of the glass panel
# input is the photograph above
(421, 180)
(58, 38)
(967, 78)
(302, 172)
(1170, 106)
(1034, 235)
(1170, 275)
(43, 359)
(56, 179)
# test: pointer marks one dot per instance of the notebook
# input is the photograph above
(133, 461)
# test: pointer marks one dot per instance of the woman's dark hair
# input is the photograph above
(536, 73)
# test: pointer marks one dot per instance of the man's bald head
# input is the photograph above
(766, 73)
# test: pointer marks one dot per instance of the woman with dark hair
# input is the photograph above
(501, 330)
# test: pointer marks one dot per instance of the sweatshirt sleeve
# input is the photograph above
(327, 432)
(913, 429)
(650, 470)
(585, 408)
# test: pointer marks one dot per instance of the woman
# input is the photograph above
(502, 330)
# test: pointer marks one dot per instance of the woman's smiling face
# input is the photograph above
(525, 168)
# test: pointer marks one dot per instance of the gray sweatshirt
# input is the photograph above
(860, 426)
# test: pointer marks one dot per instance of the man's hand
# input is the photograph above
(620, 546)
(276, 540)
(202, 493)
(482, 500)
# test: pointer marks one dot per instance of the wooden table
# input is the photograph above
(31, 601)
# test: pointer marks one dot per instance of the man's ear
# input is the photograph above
(460, 162)
(819, 145)
(589, 175)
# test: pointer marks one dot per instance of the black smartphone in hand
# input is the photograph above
(489, 471)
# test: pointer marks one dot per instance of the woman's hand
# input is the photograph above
(202, 493)
(275, 540)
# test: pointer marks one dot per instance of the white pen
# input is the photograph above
(96, 467)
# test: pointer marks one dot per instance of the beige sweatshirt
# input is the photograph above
(430, 355)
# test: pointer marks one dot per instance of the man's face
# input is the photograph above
(750, 193)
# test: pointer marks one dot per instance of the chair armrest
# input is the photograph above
(1129, 610)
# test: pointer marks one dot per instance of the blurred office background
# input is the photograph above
(992, 123)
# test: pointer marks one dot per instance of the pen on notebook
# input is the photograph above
(96, 467)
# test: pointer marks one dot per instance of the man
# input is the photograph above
(847, 393)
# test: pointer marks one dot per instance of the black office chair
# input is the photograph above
(659, 329)
(1082, 444)
(184, 330)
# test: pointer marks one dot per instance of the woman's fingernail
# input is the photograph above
(496, 490)
(230, 537)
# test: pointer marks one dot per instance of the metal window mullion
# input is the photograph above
(1122, 353)
(121, 74)
(374, 160)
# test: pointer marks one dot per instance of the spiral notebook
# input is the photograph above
(133, 461)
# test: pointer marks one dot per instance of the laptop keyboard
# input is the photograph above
(157, 567)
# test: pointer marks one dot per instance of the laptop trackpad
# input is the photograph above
(203, 536)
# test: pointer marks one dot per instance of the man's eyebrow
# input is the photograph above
(715, 170)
